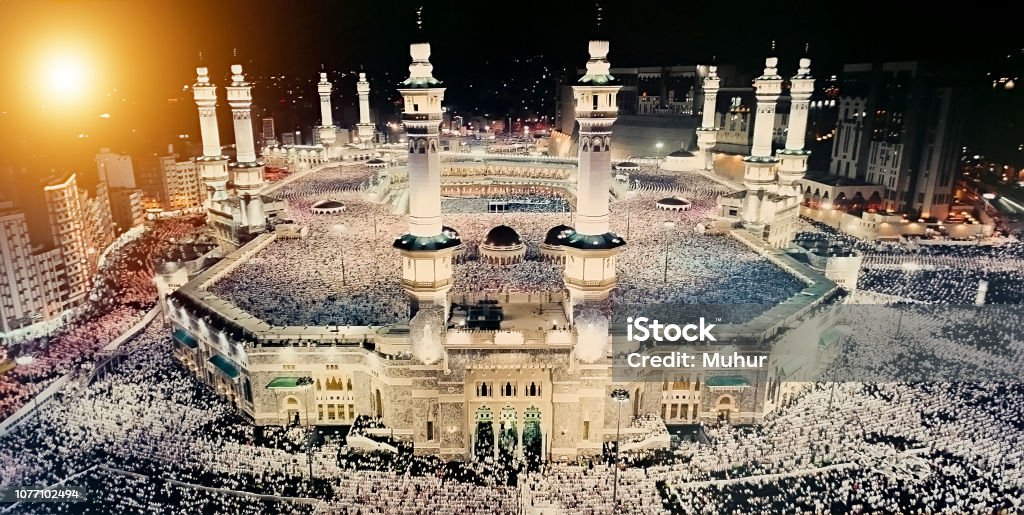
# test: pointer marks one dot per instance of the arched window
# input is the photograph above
(508, 389)
(533, 389)
(247, 390)
(349, 384)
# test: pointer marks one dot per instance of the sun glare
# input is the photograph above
(65, 75)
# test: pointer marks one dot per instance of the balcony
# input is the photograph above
(591, 283)
(426, 284)
(421, 117)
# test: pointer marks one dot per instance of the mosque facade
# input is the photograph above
(543, 386)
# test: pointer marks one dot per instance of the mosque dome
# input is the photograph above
(502, 236)
(326, 207)
(554, 235)
(681, 153)
(449, 232)
(673, 204)
(673, 201)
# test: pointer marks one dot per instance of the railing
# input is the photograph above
(426, 284)
(590, 283)
(421, 117)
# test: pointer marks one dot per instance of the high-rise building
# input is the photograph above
(149, 175)
(896, 129)
(126, 208)
(26, 272)
(269, 134)
(182, 187)
(117, 169)
(68, 226)
(169, 184)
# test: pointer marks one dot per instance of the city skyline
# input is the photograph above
(303, 38)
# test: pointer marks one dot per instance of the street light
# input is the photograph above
(658, 146)
(620, 397)
(669, 224)
(27, 361)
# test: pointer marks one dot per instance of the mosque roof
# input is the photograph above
(503, 236)
(420, 82)
(375, 161)
(329, 204)
(727, 382)
(555, 235)
(447, 239)
(627, 164)
(673, 201)
(608, 240)
(681, 153)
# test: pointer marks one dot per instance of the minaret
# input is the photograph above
(213, 166)
(246, 171)
(327, 132)
(793, 158)
(427, 249)
(707, 133)
(591, 249)
(365, 129)
(759, 166)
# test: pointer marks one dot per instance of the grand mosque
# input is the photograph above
(469, 305)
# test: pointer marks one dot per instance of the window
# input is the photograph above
(484, 390)
(430, 430)
(586, 430)
(594, 97)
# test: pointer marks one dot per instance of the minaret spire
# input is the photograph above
(591, 248)
(759, 166)
(328, 135)
(247, 170)
(213, 165)
(365, 128)
(794, 157)
(707, 133)
(427, 248)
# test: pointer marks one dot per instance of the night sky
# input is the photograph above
(147, 50)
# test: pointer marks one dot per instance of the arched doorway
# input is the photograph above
(724, 408)
(533, 440)
(291, 411)
(841, 203)
(508, 433)
(378, 404)
(875, 202)
(858, 204)
(484, 445)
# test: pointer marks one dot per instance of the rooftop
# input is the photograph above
(352, 276)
